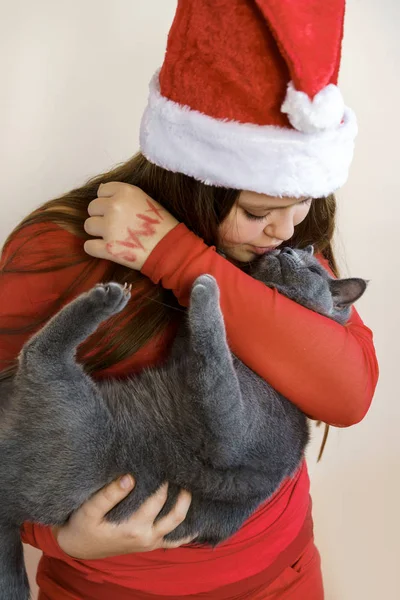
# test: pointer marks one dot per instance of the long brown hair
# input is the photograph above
(201, 207)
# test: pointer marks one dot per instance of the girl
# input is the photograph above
(158, 230)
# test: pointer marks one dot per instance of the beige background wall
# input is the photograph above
(74, 79)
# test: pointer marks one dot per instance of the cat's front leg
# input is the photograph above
(212, 378)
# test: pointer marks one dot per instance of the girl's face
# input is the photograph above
(259, 223)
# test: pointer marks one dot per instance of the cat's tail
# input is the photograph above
(14, 583)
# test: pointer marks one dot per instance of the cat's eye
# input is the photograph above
(314, 270)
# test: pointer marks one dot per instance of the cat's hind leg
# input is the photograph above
(76, 321)
(53, 393)
(13, 578)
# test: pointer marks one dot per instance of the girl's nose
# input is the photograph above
(281, 227)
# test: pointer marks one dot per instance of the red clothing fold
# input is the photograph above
(58, 580)
(328, 370)
(190, 569)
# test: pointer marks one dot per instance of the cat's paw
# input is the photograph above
(204, 298)
(205, 287)
(110, 297)
(206, 322)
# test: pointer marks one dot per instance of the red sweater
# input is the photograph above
(327, 370)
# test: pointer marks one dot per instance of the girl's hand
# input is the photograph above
(128, 223)
(87, 535)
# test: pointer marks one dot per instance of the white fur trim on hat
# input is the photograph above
(272, 160)
(324, 111)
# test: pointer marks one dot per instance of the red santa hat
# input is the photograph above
(247, 97)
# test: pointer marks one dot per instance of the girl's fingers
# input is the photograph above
(177, 544)
(106, 190)
(151, 507)
(96, 248)
(175, 517)
(97, 207)
(105, 499)
(94, 226)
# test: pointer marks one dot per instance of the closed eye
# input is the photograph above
(314, 270)
(254, 217)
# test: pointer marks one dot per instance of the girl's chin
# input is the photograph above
(239, 254)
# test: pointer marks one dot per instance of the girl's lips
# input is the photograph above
(261, 250)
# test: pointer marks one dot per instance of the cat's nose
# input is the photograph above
(292, 255)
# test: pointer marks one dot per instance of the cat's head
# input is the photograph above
(298, 275)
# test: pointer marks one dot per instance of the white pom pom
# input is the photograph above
(324, 112)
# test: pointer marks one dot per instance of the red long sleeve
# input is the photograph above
(329, 371)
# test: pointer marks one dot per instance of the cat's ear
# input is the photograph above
(346, 291)
(309, 249)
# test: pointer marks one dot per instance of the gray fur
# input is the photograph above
(204, 421)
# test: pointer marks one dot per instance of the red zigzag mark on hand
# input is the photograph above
(154, 209)
(146, 231)
(133, 240)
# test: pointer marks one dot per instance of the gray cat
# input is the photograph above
(204, 421)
